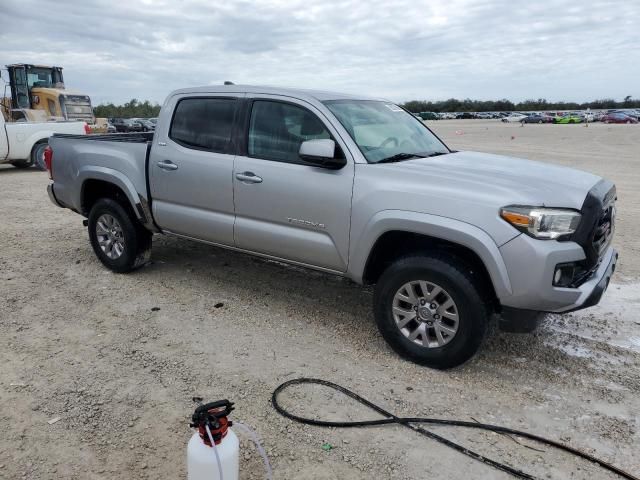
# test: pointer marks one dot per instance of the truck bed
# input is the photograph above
(118, 158)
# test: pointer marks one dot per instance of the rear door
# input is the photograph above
(191, 167)
(284, 207)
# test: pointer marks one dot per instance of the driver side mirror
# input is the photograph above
(321, 153)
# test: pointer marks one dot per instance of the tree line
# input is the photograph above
(136, 109)
(504, 105)
(131, 109)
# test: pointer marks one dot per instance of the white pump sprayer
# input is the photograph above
(213, 451)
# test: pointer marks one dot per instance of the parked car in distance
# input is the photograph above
(465, 115)
(111, 128)
(126, 125)
(145, 124)
(587, 116)
(120, 124)
(513, 117)
(355, 187)
(133, 125)
(568, 118)
(618, 118)
(537, 118)
(629, 113)
(428, 116)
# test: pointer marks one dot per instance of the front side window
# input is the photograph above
(277, 129)
(203, 123)
(385, 131)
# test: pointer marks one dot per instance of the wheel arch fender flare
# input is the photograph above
(113, 177)
(434, 226)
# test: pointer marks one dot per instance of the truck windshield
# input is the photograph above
(384, 131)
(40, 77)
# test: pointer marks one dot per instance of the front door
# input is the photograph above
(191, 167)
(284, 207)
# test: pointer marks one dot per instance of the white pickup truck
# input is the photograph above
(22, 144)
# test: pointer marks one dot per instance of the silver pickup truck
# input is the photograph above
(356, 187)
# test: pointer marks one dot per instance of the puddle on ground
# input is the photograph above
(615, 321)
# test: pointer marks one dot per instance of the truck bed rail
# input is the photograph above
(141, 137)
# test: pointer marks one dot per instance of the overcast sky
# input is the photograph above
(116, 50)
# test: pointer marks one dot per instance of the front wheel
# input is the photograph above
(118, 240)
(430, 310)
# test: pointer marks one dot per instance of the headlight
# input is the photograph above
(543, 223)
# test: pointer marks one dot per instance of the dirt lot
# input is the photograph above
(118, 358)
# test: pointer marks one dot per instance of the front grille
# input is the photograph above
(603, 233)
(78, 107)
(595, 231)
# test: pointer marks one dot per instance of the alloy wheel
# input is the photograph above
(425, 313)
(110, 236)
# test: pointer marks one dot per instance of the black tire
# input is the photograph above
(21, 164)
(136, 239)
(37, 155)
(457, 280)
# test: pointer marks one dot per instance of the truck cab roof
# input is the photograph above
(304, 94)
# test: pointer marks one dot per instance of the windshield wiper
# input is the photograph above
(437, 154)
(398, 157)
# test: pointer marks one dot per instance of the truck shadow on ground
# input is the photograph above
(329, 301)
(10, 169)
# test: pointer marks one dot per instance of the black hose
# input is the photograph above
(410, 422)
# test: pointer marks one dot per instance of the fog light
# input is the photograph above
(557, 276)
(564, 275)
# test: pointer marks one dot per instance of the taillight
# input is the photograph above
(87, 129)
(48, 160)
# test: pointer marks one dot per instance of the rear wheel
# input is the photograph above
(37, 155)
(118, 240)
(430, 311)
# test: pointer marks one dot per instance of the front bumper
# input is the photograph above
(595, 287)
(531, 264)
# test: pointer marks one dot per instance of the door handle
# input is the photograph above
(248, 177)
(167, 165)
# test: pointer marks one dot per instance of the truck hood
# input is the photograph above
(499, 180)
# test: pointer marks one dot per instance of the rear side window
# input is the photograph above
(203, 123)
(277, 129)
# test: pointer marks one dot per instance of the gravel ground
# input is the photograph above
(117, 358)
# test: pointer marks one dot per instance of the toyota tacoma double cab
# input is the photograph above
(356, 187)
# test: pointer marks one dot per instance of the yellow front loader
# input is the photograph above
(38, 91)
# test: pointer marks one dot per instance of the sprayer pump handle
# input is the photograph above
(210, 412)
